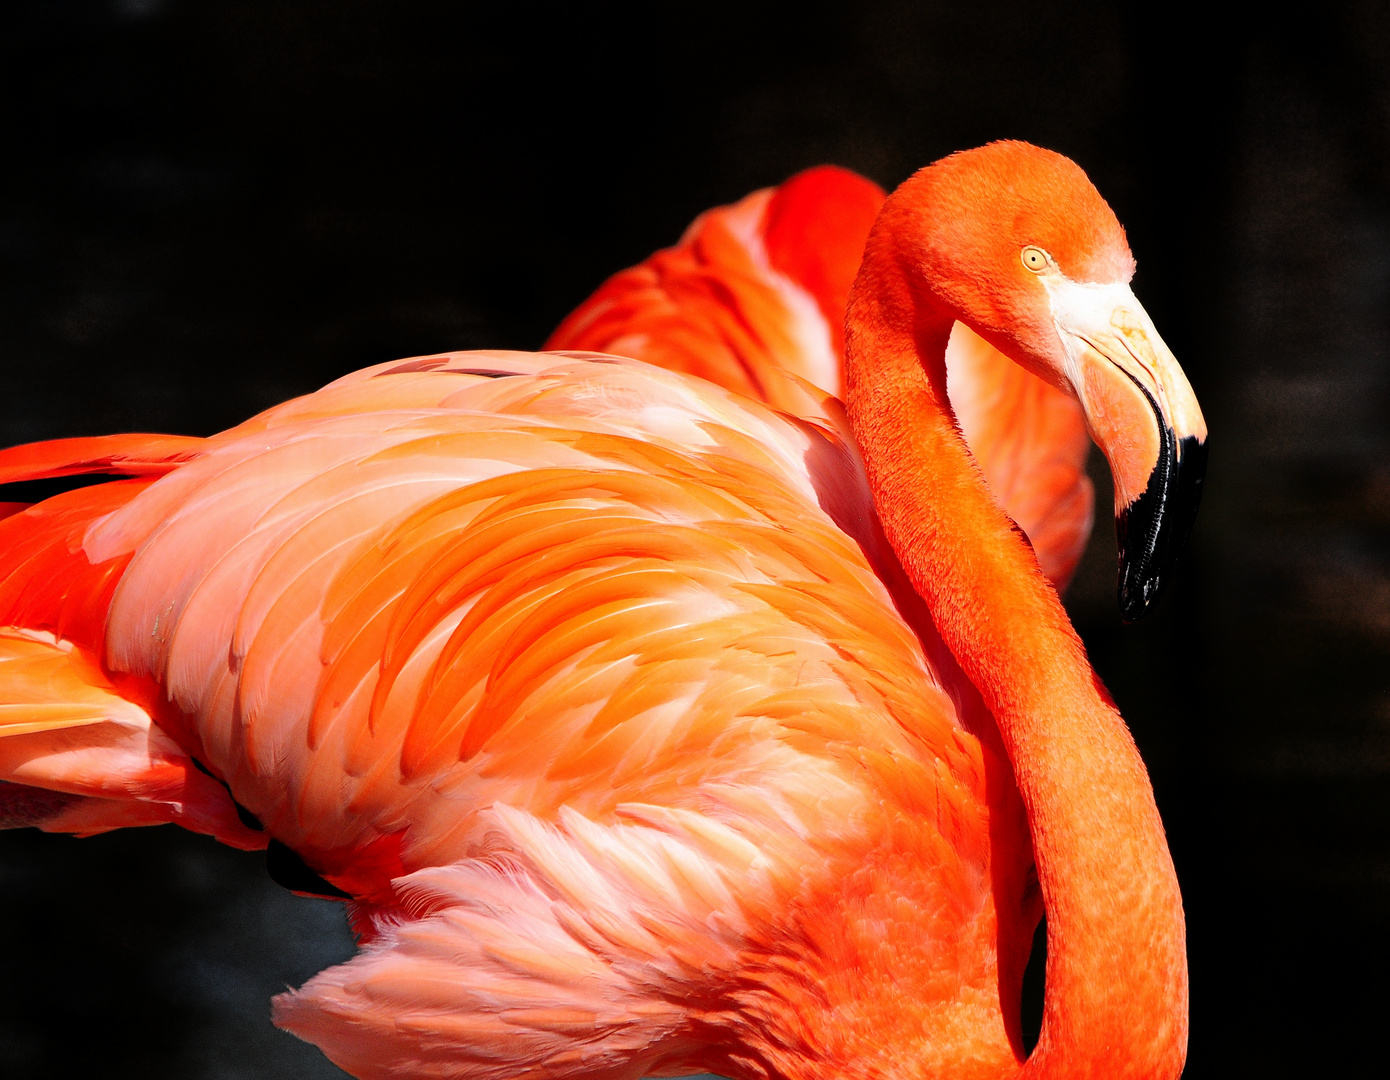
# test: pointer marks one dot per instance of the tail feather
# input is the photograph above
(65, 729)
(79, 749)
(120, 455)
(46, 580)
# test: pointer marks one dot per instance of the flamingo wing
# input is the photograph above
(755, 292)
(562, 668)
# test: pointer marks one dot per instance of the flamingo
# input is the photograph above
(756, 291)
(646, 729)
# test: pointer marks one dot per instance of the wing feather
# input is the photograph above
(66, 728)
(403, 595)
(122, 455)
(571, 662)
(591, 621)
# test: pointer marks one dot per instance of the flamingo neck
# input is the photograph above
(1116, 999)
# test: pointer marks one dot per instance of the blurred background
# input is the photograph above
(208, 207)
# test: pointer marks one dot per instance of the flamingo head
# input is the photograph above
(1016, 243)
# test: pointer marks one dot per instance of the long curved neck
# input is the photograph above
(1116, 1000)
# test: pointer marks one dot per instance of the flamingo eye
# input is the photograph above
(1035, 259)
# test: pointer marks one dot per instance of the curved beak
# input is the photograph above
(1143, 415)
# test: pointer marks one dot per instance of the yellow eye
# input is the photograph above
(1035, 259)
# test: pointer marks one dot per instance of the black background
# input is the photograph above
(206, 207)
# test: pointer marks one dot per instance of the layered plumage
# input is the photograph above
(599, 691)
(568, 660)
(756, 291)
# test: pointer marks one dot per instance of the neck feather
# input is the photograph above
(1116, 1003)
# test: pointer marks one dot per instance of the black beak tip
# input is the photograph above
(1152, 530)
(1137, 597)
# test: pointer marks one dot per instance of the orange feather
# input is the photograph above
(601, 691)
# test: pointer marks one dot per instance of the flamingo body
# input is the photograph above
(569, 657)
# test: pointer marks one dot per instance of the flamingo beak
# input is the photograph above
(1143, 415)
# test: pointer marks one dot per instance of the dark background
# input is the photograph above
(207, 207)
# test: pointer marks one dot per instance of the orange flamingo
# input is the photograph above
(635, 741)
(757, 291)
